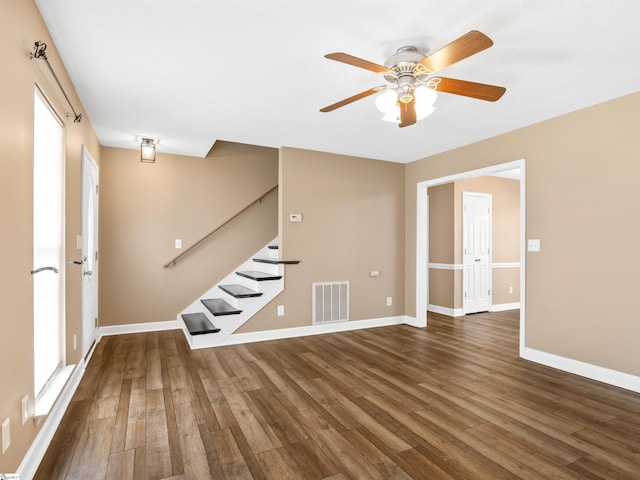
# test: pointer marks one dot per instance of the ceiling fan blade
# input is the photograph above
(407, 113)
(481, 91)
(356, 62)
(349, 100)
(461, 48)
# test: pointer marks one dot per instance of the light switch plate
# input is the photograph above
(295, 217)
(178, 244)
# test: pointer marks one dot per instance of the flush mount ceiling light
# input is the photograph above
(148, 149)
(411, 90)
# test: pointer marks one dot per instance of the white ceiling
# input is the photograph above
(253, 71)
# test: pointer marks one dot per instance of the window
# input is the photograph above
(48, 243)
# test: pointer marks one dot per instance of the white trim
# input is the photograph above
(460, 266)
(594, 372)
(50, 393)
(413, 322)
(29, 465)
(137, 328)
(446, 266)
(523, 276)
(422, 254)
(450, 312)
(278, 334)
(501, 307)
(505, 265)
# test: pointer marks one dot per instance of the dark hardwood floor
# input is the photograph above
(452, 401)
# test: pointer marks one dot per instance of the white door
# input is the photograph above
(48, 242)
(90, 192)
(476, 253)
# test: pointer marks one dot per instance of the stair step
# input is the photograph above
(274, 261)
(218, 307)
(258, 276)
(198, 323)
(239, 291)
(273, 247)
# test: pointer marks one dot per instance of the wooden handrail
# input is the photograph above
(174, 260)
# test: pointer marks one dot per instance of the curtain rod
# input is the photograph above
(39, 52)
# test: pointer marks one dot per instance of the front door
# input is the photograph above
(90, 192)
(476, 253)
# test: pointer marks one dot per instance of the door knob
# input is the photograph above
(88, 272)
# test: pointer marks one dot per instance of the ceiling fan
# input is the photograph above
(410, 91)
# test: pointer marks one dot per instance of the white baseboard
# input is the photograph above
(281, 333)
(594, 372)
(450, 312)
(459, 312)
(414, 322)
(501, 307)
(35, 454)
(137, 328)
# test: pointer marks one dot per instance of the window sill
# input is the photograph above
(45, 401)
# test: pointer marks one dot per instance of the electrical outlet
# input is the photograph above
(510, 290)
(6, 434)
(25, 409)
(178, 244)
(389, 301)
(533, 245)
(281, 310)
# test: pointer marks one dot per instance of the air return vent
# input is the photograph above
(330, 302)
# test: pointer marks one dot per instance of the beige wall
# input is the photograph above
(581, 176)
(145, 207)
(352, 210)
(441, 224)
(20, 27)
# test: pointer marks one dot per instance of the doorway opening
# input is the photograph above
(422, 236)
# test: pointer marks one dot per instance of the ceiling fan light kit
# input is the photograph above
(411, 87)
(387, 103)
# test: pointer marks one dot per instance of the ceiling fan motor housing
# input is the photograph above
(403, 64)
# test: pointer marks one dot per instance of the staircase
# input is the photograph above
(212, 319)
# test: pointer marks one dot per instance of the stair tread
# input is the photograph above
(218, 306)
(258, 276)
(198, 323)
(239, 291)
(275, 261)
(273, 247)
